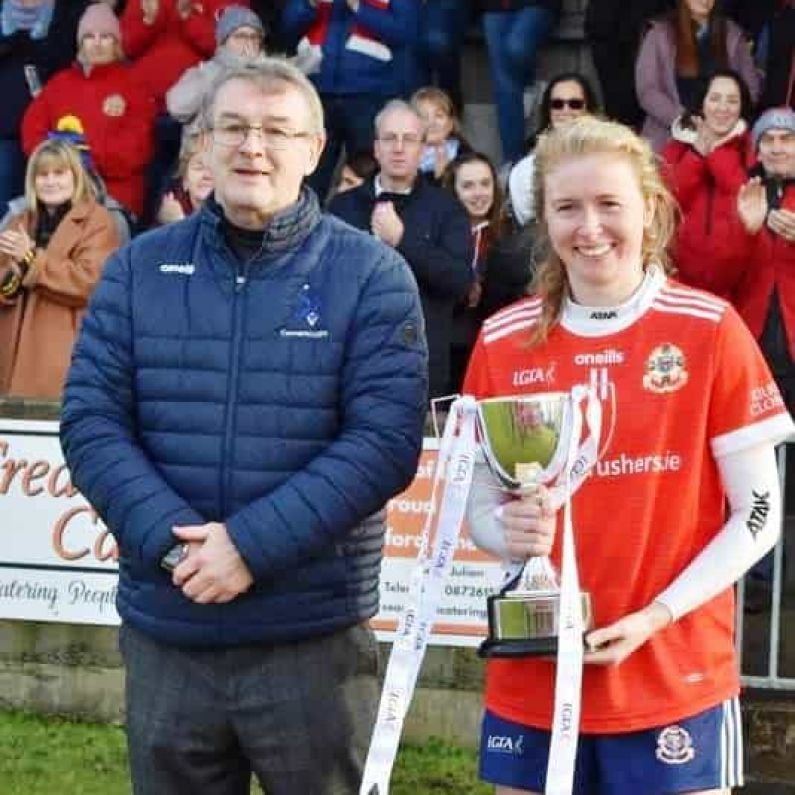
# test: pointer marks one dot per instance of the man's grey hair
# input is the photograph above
(270, 74)
(395, 105)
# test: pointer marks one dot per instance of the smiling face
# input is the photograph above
(567, 101)
(474, 186)
(54, 183)
(722, 106)
(595, 215)
(253, 181)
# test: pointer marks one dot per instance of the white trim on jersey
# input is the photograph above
(527, 322)
(511, 313)
(658, 306)
(686, 296)
(732, 773)
(774, 430)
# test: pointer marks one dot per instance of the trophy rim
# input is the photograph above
(553, 467)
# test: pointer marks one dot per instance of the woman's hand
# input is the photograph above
(529, 525)
(613, 644)
(782, 222)
(705, 138)
(170, 210)
(16, 243)
(752, 205)
(149, 9)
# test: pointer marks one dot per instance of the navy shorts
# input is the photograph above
(701, 752)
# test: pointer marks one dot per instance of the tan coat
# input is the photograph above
(39, 328)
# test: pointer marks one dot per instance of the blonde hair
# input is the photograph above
(53, 153)
(441, 99)
(590, 135)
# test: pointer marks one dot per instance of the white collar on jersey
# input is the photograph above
(596, 321)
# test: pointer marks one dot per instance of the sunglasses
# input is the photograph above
(574, 104)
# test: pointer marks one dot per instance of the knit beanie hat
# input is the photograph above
(98, 18)
(773, 119)
(234, 17)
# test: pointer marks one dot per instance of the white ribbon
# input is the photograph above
(452, 479)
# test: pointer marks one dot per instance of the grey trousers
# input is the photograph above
(297, 715)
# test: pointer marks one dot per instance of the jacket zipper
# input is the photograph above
(241, 278)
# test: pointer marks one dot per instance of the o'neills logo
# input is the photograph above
(608, 356)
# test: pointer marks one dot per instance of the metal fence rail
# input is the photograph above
(773, 680)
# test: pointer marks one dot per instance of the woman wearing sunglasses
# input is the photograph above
(568, 96)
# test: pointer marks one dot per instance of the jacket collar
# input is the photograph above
(284, 233)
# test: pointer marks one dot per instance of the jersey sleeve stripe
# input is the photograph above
(506, 331)
(684, 295)
(772, 430)
(715, 317)
(508, 315)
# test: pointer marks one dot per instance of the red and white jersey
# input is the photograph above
(682, 382)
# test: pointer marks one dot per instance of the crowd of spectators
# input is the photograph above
(105, 98)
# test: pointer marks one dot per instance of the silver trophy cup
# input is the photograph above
(525, 439)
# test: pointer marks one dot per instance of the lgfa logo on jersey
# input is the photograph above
(535, 375)
(674, 746)
(503, 744)
(666, 369)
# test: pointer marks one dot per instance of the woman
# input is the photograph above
(240, 36)
(693, 423)
(706, 164)
(193, 183)
(567, 96)
(51, 256)
(101, 99)
(443, 138)
(501, 262)
(677, 54)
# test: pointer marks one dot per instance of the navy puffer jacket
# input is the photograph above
(284, 397)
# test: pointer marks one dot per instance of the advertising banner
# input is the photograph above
(58, 562)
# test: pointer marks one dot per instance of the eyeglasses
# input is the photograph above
(235, 134)
(574, 104)
(393, 139)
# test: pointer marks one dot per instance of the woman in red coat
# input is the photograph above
(707, 160)
(99, 97)
(165, 37)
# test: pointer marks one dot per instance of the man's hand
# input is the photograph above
(782, 222)
(752, 205)
(213, 571)
(529, 525)
(613, 644)
(386, 225)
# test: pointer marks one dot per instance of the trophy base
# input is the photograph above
(525, 624)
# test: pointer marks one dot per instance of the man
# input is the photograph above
(365, 48)
(249, 384)
(766, 206)
(425, 224)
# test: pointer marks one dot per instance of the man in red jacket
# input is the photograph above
(766, 205)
